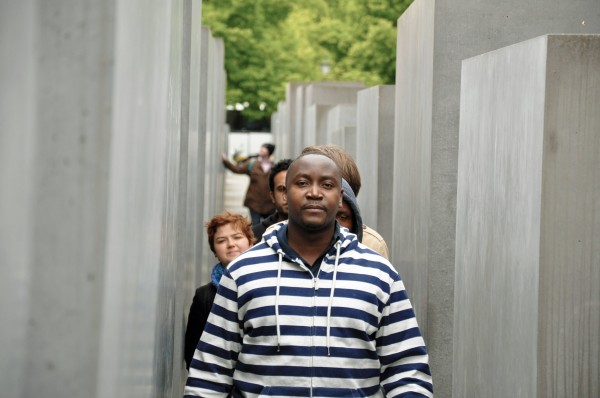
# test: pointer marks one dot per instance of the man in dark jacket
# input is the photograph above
(277, 192)
(258, 168)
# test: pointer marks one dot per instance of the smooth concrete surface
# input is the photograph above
(140, 304)
(315, 125)
(17, 171)
(332, 93)
(54, 151)
(321, 96)
(291, 122)
(527, 242)
(276, 131)
(297, 110)
(374, 156)
(455, 31)
(213, 88)
(196, 157)
(315, 113)
(498, 221)
(187, 207)
(412, 161)
(338, 118)
(99, 146)
(282, 133)
(205, 102)
(216, 119)
(284, 124)
(348, 140)
(221, 127)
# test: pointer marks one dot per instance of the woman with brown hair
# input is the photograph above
(229, 235)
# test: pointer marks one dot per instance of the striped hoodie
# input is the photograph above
(275, 330)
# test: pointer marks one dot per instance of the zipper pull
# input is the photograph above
(316, 283)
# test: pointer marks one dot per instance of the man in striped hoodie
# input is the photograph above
(310, 311)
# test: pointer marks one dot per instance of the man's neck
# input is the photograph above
(309, 245)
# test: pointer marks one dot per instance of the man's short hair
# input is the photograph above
(342, 159)
(270, 148)
(280, 166)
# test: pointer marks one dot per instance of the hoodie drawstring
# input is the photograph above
(277, 299)
(338, 245)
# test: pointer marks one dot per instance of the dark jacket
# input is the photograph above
(262, 226)
(199, 310)
(257, 196)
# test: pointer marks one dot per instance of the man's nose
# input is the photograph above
(315, 191)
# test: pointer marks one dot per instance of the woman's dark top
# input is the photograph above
(199, 310)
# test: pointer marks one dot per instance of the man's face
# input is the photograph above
(278, 195)
(344, 216)
(263, 152)
(314, 192)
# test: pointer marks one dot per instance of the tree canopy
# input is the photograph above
(271, 42)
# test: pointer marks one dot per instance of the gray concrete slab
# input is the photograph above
(318, 98)
(315, 124)
(100, 129)
(527, 256)
(348, 140)
(338, 118)
(374, 156)
(296, 91)
(18, 137)
(282, 130)
(411, 244)
(332, 93)
(433, 38)
(215, 140)
(55, 152)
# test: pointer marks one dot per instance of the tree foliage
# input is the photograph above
(271, 42)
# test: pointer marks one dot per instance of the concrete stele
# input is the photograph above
(374, 156)
(433, 38)
(338, 118)
(527, 246)
(317, 97)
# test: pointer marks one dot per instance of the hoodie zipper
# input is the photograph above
(338, 244)
(312, 335)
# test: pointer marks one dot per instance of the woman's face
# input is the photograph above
(229, 243)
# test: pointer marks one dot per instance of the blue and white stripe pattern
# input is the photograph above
(277, 331)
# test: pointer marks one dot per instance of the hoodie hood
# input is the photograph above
(350, 198)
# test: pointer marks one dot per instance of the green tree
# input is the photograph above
(271, 42)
